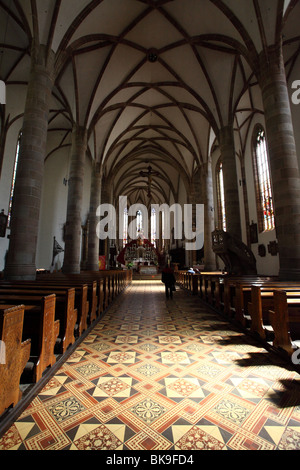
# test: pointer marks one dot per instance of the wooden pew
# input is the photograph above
(285, 320)
(230, 289)
(101, 307)
(106, 292)
(239, 310)
(81, 301)
(17, 353)
(106, 279)
(65, 311)
(216, 288)
(88, 303)
(262, 301)
(102, 278)
(47, 288)
(40, 326)
(210, 290)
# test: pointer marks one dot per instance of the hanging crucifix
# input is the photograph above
(149, 174)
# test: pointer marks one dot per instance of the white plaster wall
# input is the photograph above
(54, 207)
(295, 105)
(267, 265)
(15, 102)
(6, 181)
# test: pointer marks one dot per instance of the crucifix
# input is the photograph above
(149, 174)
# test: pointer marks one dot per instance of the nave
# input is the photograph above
(157, 374)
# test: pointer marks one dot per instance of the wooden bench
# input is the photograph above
(17, 353)
(267, 306)
(88, 303)
(40, 326)
(243, 295)
(65, 310)
(110, 283)
(47, 329)
(46, 288)
(262, 301)
(231, 286)
(209, 285)
(285, 320)
(100, 301)
(217, 288)
(86, 299)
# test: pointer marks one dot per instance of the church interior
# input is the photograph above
(137, 135)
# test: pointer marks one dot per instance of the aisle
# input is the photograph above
(159, 374)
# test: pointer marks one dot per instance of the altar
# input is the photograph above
(141, 255)
(148, 270)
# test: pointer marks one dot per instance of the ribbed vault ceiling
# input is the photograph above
(152, 81)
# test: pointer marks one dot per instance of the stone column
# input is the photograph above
(209, 221)
(191, 255)
(232, 205)
(21, 257)
(106, 199)
(75, 195)
(283, 160)
(93, 240)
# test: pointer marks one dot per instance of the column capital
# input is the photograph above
(269, 62)
(79, 135)
(43, 60)
(226, 135)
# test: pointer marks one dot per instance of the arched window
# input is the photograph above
(12, 189)
(163, 229)
(125, 230)
(153, 226)
(221, 197)
(264, 198)
(139, 224)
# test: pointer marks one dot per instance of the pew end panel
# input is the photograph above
(68, 320)
(49, 335)
(101, 296)
(83, 310)
(283, 317)
(17, 353)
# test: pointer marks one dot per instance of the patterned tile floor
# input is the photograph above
(159, 374)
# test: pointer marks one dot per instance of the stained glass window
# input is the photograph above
(139, 224)
(153, 226)
(163, 229)
(263, 180)
(12, 189)
(125, 232)
(221, 193)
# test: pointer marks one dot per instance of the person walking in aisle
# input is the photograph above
(169, 280)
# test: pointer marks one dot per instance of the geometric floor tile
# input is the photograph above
(198, 438)
(163, 375)
(95, 437)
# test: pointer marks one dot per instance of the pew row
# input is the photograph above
(285, 320)
(240, 297)
(65, 311)
(81, 301)
(109, 283)
(275, 316)
(252, 302)
(50, 308)
(15, 355)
